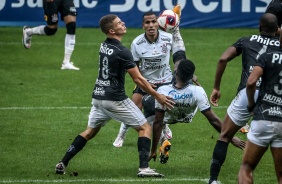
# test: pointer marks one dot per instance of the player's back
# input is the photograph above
(269, 103)
(187, 100)
(251, 48)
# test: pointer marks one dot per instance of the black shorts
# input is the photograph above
(275, 7)
(51, 10)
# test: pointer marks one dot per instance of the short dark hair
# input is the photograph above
(106, 22)
(185, 70)
(148, 14)
(268, 23)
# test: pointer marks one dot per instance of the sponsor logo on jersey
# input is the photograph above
(276, 58)
(144, 52)
(99, 91)
(165, 39)
(274, 111)
(72, 9)
(265, 41)
(272, 99)
(103, 83)
(153, 65)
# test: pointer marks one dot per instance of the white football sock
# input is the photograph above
(69, 47)
(39, 30)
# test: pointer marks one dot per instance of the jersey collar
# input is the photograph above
(149, 40)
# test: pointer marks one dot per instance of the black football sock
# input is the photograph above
(144, 145)
(77, 145)
(218, 158)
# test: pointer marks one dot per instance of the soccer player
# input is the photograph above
(237, 114)
(68, 15)
(188, 99)
(109, 100)
(151, 51)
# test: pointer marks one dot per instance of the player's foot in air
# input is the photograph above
(69, 66)
(177, 9)
(245, 129)
(164, 155)
(26, 39)
(148, 172)
(60, 168)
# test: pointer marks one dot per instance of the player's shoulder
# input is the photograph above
(164, 36)
(140, 39)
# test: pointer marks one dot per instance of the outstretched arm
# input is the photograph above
(228, 55)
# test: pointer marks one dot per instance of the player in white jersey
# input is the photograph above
(188, 98)
(151, 50)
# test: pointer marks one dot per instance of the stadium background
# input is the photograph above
(196, 13)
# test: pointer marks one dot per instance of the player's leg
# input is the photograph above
(137, 99)
(51, 17)
(95, 121)
(228, 130)
(69, 16)
(252, 155)
(132, 116)
(277, 158)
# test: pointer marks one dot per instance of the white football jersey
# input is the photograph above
(154, 57)
(187, 101)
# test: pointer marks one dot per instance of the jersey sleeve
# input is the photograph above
(134, 52)
(239, 46)
(127, 59)
(202, 99)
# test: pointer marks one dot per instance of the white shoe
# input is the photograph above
(26, 39)
(119, 141)
(69, 66)
(147, 172)
(167, 132)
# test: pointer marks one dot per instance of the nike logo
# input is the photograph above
(144, 52)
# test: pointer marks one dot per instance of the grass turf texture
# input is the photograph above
(43, 108)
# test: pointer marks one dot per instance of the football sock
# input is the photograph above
(69, 47)
(36, 30)
(77, 145)
(144, 144)
(123, 129)
(218, 158)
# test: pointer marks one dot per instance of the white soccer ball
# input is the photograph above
(168, 20)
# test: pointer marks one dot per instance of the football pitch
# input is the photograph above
(43, 108)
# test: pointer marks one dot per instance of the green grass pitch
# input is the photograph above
(42, 109)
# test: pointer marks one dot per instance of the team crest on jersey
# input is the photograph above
(164, 48)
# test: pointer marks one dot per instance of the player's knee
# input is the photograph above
(49, 32)
(71, 26)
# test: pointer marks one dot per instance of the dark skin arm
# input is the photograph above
(227, 56)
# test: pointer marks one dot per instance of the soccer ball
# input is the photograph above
(168, 20)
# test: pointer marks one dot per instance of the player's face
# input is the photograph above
(119, 27)
(150, 25)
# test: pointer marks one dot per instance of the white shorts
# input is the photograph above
(265, 133)
(122, 111)
(238, 111)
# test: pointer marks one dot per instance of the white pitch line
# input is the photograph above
(106, 180)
